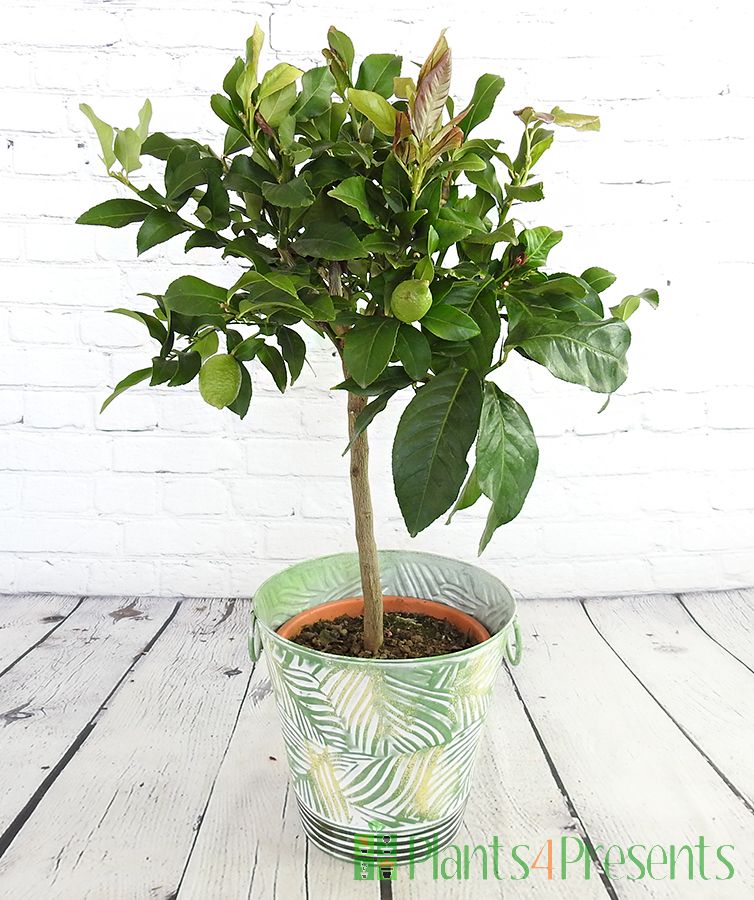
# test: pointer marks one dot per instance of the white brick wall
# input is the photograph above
(164, 495)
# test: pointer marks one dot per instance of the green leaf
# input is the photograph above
(628, 305)
(191, 296)
(434, 435)
(330, 241)
(330, 123)
(160, 146)
(367, 415)
(238, 83)
(246, 175)
(272, 360)
(467, 162)
(380, 242)
(127, 147)
(145, 117)
(292, 194)
(482, 101)
(191, 174)
(368, 347)
(487, 180)
(208, 345)
(353, 193)
(240, 406)
(558, 294)
(526, 193)
(377, 72)
(213, 208)
(588, 353)
(205, 238)
(293, 348)
(189, 364)
(242, 79)
(269, 293)
(540, 141)
(483, 310)
(287, 133)
(115, 213)
(424, 270)
(469, 495)
(277, 78)
(505, 232)
(395, 184)
(506, 457)
(449, 233)
(538, 242)
(159, 226)
(341, 44)
(162, 370)
(574, 120)
(223, 109)
(247, 349)
(277, 106)
(413, 350)
(449, 323)
(156, 329)
(321, 307)
(394, 378)
(317, 86)
(598, 279)
(128, 382)
(234, 141)
(258, 284)
(106, 137)
(379, 112)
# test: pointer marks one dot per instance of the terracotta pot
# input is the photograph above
(354, 606)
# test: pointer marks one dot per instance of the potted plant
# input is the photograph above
(361, 207)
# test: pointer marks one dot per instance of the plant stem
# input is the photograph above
(364, 522)
(369, 565)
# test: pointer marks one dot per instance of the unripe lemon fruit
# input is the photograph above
(220, 380)
(411, 300)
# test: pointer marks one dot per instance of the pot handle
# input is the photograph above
(255, 639)
(514, 653)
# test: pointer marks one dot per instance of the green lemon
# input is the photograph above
(220, 380)
(411, 300)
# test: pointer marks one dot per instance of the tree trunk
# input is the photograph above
(369, 564)
(364, 521)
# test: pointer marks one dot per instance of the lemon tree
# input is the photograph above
(360, 206)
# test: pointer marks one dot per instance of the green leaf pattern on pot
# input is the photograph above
(392, 741)
(394, 745)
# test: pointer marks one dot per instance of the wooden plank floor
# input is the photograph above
(140, 757)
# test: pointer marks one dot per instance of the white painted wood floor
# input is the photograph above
(140, 754)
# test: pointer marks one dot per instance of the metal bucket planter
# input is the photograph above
(381, 752)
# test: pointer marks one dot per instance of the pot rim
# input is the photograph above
(501, 635)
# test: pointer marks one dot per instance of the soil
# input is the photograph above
(407, 636)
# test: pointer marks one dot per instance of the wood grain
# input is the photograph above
(49, 699)
(515, 797)
(632, 775)
(251, 843)
(120, 820)
(708, 693)
(26, 619)
(728, 617)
